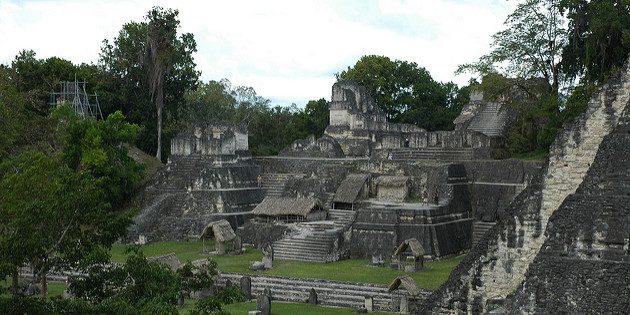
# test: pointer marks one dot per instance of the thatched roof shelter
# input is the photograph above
(407, 282)
(397, 181)
(416, 248)
(222, 231)
(169, 260)
(350, 188)
(282, 206)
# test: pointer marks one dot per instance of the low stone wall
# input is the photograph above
(329, 293)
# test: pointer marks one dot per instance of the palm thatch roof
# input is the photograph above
(393, 180)
(407, 283)
(416, 248)
(279, 206)
(222, 231)
(350, 188)
(169, 260)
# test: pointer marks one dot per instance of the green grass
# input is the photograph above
(355, 270)
(285, 308)
(54, 288)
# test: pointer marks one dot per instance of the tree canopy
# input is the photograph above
(57, 206)
(598, 38)
(406, 92)
(148, 70)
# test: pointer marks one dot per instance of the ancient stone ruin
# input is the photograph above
(562, 245)
(209, 176)
(373, 189)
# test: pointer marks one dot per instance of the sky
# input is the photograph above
(288, 51)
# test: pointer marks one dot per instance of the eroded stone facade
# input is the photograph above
(497, 265)
(209, 176)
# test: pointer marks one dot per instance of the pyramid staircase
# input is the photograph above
(316, 241)
(480, 229)
(491, 120)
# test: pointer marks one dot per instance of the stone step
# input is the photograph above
(288, 248)
(480, 229)
(307, 257)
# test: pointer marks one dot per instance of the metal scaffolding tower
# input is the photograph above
(74, 94)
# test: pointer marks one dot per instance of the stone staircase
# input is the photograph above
(491, 120)
(329, 293)
(341, 217)
(480, 229)
(274, 183)
(315, 241)
(433, 153)
(316, 246)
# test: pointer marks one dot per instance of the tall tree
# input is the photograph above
(161, 35)
(529, 47)
(599, 38)
(149, 68)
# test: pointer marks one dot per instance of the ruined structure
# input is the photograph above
(562, 246)
(209, 176)
(222, 233)
(359, 128)
(383, 183)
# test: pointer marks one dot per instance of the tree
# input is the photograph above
(522, 70)
(529, 47)
(405, 91)
(161, 35)
(210, 102)
(147, 69)
(599, 38)
(313, 120)
(36, 78)
(57, 206)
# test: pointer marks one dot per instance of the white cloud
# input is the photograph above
(287, 50)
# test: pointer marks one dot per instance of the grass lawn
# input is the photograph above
(356, 270)
(54, 288)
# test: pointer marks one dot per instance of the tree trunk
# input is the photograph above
(159, 100)
(15, 283)
(44, 283)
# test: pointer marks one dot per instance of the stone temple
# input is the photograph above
(539, 236)
(209, 176)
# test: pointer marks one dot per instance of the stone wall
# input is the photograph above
(497, 265)
(584, 264)
(443, 229)
(219, 139)
(493, 185)
(324, 147)
(360, 127)
(185, 196)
